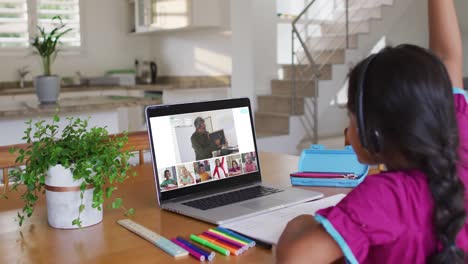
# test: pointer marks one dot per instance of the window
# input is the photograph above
(68, 10)
(13, 23)
(16, 32)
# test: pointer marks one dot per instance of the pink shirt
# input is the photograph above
(388, 218)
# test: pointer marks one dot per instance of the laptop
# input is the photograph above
(217, 181)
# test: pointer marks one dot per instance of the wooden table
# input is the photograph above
(108, 242)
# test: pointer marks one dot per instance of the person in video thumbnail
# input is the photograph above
(186, 177)
(219, 172)
(168, 182)
(201, 143)
(235, 168)
(250, 165)
(204, 175)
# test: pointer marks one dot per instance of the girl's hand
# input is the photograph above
(296, 227)
(305, 241)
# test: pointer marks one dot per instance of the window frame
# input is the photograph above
(32, 31)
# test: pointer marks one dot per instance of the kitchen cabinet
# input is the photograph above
(166, 15)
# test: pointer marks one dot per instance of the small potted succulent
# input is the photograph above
(76, 169)
(46, 45)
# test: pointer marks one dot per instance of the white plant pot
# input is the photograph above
(47, 88)
(63, 200)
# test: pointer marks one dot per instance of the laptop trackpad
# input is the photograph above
(262, 203)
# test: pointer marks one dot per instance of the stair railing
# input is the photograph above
(306, 66)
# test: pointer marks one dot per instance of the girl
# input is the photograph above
(219, 172)
(403, 114)
(249, 166)
(235, 168)
(168, 182)
(186, 177)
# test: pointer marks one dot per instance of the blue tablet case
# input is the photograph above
(319, 159)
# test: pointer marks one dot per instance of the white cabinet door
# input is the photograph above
(161, 15)
(170, 14)
(142, 15)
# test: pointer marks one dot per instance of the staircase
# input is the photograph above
(328, 31)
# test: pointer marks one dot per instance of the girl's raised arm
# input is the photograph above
(445, 39)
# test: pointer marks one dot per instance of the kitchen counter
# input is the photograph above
(32, 109)
(67, 89)
(165, 83)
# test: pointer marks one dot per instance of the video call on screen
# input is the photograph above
(201, 147)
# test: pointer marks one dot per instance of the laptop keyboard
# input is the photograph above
(231, 197)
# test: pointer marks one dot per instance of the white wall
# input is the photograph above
(413, 27)
(253, 25)
(265, 44)
(193, 52)
(106, 44)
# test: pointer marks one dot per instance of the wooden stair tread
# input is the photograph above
(269, 134)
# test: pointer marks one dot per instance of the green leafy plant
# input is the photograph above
(91, 154)
(46, 43)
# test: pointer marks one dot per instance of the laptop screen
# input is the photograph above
(202, 148)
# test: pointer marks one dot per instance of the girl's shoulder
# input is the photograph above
(394, 181)
(393, 191)
(380, 211)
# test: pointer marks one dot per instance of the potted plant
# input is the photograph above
(76, 169)
(46, 45)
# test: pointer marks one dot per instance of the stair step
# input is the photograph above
(285, 88)
(325, 56)
(329, 56)
(271, 123)
(279, 104)
(306, 72)
(332, 42)
(339, 28)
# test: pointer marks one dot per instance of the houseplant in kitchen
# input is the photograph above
(46, 45)
(76, 169)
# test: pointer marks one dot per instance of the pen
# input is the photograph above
(325, 175)
(210, 245)
(233, 250)
(208, 255)
(192, 252)
(257, 242)
(260, 243)
(229, 232)
(229, 237)
(226, 240)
